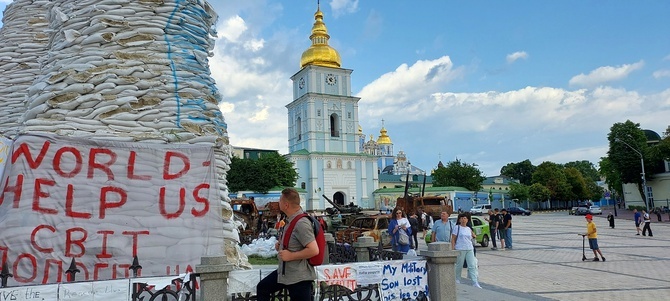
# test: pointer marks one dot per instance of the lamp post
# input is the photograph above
(644, 179)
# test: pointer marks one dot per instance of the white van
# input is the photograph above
(480, 209)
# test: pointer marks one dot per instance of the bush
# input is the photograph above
(639, 208)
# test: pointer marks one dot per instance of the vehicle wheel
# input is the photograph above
(485, 241)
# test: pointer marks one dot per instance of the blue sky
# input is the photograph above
(487, 82)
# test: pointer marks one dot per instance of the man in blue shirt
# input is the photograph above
(442, 229)
(637, 217)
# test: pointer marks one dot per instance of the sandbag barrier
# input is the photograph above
(126, 70)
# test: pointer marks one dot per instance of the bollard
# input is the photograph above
(214, 272)
(441, 271)
(361, 246)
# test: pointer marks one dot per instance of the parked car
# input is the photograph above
(582, 211)
(375, 226)
(480, 209)
(518, 211)
(585, 205)
(480, 226)
(595, 210)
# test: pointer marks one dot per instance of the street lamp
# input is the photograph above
(644, 179)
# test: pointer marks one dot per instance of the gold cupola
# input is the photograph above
(320, 53)
(384, 138)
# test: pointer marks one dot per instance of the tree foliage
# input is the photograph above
(522, 171)
(519, 191)
(612, 176)
(538, 193)
(261, 175)
(578, 187)
(586, 168)
(457, 173)
(626, 143)
(552, 176)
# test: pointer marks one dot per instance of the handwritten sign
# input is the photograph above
(30, 293)
(112, 290)
(104, 202)
(398, 279)
(404, 279)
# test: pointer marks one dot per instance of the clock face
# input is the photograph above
(301, 83)
(331, 79)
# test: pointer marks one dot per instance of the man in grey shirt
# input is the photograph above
(294, 272)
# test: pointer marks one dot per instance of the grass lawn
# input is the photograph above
(257, 260)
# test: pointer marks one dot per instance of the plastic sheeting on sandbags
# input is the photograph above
(121, 70)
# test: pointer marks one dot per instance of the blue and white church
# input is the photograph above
(324, 132)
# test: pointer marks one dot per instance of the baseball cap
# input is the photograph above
(588, 216)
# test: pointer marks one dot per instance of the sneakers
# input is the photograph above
(596, 259)
(603, 259)
(476, 284)
(494, 248)
(637, 234)
(458, 281)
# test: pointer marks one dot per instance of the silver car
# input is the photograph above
(595, 210)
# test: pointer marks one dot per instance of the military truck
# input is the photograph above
(431, 205)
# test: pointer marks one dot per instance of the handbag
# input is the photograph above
(403, 238)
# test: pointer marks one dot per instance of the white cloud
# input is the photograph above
(605, 74)
(511, 58)
(232, 28)
(343, 7)
(661, 73)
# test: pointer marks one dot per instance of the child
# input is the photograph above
(592, 234)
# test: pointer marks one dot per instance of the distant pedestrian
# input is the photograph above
(414, 223)
(507, 226)
(637, 217)
(461, 241)
(493, 227)
(647, 224)
(460, 210)
(592, 234)
(610, 218)
(501, 231)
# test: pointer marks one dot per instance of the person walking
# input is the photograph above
(461, 241)
(647, 224)
(414, 223)
(507, 226)
(294, 272)
(637, 217)
(592, 234)
(442, 229)
(493, 227)
(610, 218)
(501, 231)
(397, 225)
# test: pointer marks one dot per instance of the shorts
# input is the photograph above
(637, 224)
(593, 243)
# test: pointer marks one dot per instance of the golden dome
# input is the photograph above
(360, 130)
(320, 53)
(384, 138)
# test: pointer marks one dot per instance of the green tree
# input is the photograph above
(612, 176)
(522, 171)
(261, 175)
(552, 176)
(586, 168)
(538, 193)
(519, 191)
(457, 173)
(595, 192)
(578, 187)
(661, 151)
(626, 143)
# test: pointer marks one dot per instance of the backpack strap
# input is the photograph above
(289, 229)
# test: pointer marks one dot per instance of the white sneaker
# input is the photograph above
(458, 281)
(476, 284)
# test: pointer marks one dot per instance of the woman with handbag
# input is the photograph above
(461, 241)
(400, 231)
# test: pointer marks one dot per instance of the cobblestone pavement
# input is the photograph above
(546, 261)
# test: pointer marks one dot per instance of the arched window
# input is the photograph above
(298, 126)
(334, 125)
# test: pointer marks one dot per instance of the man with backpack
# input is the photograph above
(294, 272)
